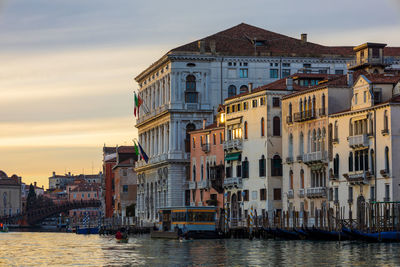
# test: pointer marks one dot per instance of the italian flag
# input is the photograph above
(137, 104)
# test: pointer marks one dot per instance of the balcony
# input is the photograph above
(365, 61)
(357, 141)
(301, 193)
(233, 144)
(322, 112)
(290, 194)
(299, 158)
(289, 119)
(357, 177)
(316, 192)
(289, 160)
(315, 157)
(385, 131)
(202, 184)
(192, 185)
(205, 147)
(233, 182)
(304, 115)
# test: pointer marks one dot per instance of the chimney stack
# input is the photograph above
(202, 46)
(34, 183)
(204, 123)
(289, 83)
(350, 78)
(250, 87)
(304, 38)
(213, 47)
(54, 174)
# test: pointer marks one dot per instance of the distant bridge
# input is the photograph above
(37, 215)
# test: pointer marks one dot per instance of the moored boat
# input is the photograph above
(388, 236)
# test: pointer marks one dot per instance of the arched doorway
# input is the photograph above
(235, 209)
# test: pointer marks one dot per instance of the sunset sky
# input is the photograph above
(67, 67)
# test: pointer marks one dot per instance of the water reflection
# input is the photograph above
(69, 249)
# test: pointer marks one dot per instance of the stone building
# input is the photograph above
(188, 83)
(10, 193)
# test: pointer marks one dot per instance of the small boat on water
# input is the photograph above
(319, 234)
(388, 236)
(187, 222)
(87, 231)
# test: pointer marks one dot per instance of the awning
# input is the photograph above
(232, 156)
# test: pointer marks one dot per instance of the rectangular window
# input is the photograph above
(238, 107)
(238, 171)
(243, 73)
(339, 72)
(263, 194)
(277, 194)
(285, 73)
(228, 172)
(336, 194)
(194, 142)
(273, 73)
(387, 192)
(275, 102)
(245, 105)
(233, 108)
(245, 171)
(262, 163)
(254, 103)
(262, 101)
(125, 188)
(254, 195)
(221, 138)
(350, 194)
(372, 193)
(285, 65)
(228, 110)
(246, 195)
(214, 139)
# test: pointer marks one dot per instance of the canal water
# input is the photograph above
(63, 249)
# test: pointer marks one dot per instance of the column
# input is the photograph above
(165, 138)
(169, 137)
(159, 140)
(169, 88)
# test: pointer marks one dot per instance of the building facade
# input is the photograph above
(186, 86)
(10, 193)
(108, 183)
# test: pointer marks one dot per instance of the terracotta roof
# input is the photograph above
(126, 149)
(85, 187)
(208, 127)
(239, 41)
(382, 78)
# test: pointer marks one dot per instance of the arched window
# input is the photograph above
(385, 121)
(366, 160)
(261, 166)
(244, 89)
(387, 159)
(309, 142)
(276, 166)
(301, 178)
(371, 125)
(336, 131)
(313, 106)
(319, 140)
(314, 141)
(231, 90)
(301, 144)
(290, 146)
(189, 127)
(323, 105)
(194, 173)
(291, 180)
(301, 106)
(323, 138)
(245, 130)
(336, 166)
(245, 168)
(262, 127)
(372, 161)
(190, 93)
(276, 126)
(350, 161)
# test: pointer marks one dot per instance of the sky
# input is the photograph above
(68, 66)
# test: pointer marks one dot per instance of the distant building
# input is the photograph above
(125, 181)
(10, 194)
(82, 190)
(25, 191)
(61, 181)
(108, 183)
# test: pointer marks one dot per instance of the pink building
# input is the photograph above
(82, 190)
(207, 165)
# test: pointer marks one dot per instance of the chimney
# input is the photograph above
(202, 46)
(34, 184)
(204, 123)
(213, 47)
(54, 174)
(289, 83)
(350, 78)
(69, 173)
(250, 87)
(304, 38)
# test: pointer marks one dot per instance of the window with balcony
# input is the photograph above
(276, 126)
(290, 145)
(301, 144)
(194, 172)
(238, 171)
(350, 199)
(350, 161)
(231, 90)
(276, 166)
(372, 157)
(190, 93)
(228, 172)
(245, 168)
(261, 166)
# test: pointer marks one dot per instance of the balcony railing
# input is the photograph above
(233, 182)
(289, 119)
(233, 144)
(205, 147)
(361, 61)
(357, 177)
(322, 112)
(192, 185)
(316, 192)
(301, 193)
(358, 140)
(202, 184)
(299, 158)
(318, 156)
(289, 160)
(304, 115)
(290, 194)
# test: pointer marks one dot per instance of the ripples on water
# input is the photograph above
(56, 249)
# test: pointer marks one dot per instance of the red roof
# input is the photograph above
(383, 78)
(126, 149)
